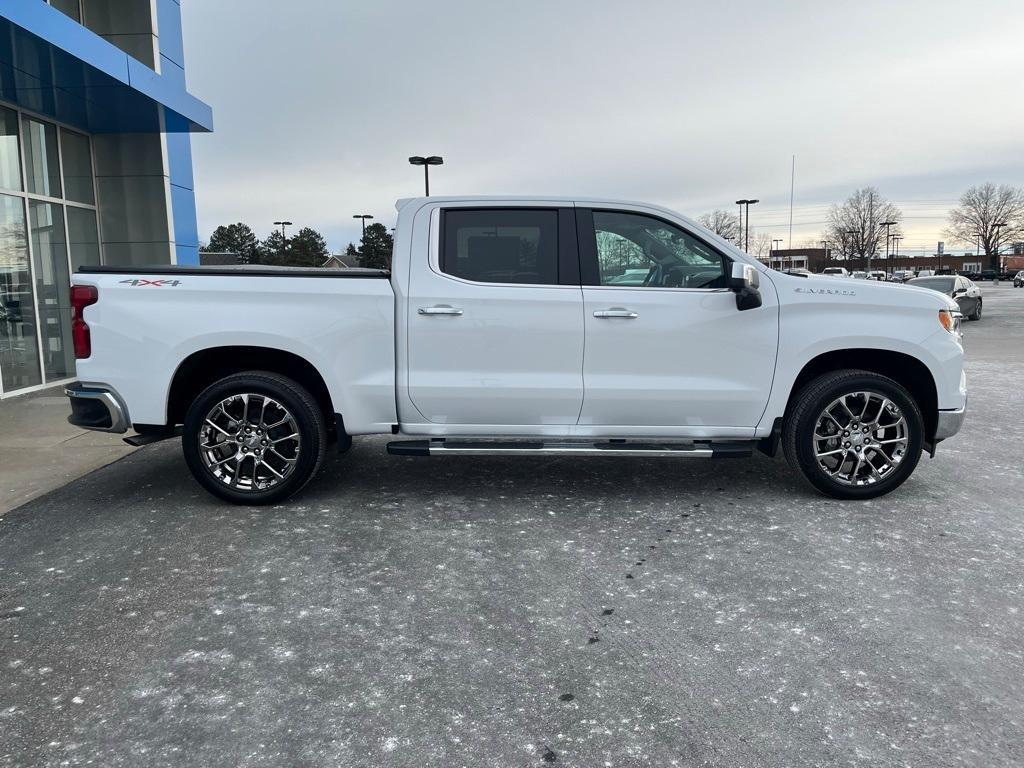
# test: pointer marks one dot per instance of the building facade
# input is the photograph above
(95, 162)
(815, 260)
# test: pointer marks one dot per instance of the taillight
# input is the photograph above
(81, 297)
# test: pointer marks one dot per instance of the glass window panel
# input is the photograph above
(19, 350)
(77, 167)
(53, 288)
(42, 166)
(637, 251)
(501, 245)
(10, 157)
(68, 7)
(85, 241)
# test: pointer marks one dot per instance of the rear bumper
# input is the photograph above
(96, 408)
(949, 423)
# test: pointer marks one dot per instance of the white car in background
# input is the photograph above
(835, 272)
(859, 274)
(878, 274)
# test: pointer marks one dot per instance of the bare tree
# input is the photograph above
(981, 209)
(722, 223)
(856, 226)
(760, 245)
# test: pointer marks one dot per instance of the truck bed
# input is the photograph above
(240, 270)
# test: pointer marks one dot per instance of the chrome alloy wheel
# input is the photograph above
(860, 438)
(249, 442)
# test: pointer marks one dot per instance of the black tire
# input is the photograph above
(799, 428)
(300, 405)
(976, 315)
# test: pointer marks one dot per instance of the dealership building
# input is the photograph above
(95, 162)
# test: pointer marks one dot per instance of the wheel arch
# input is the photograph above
(898, 366)
(204, 367)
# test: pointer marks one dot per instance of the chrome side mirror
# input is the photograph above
(744, 282)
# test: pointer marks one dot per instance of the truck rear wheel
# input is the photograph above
(854, 434)
(254, 438)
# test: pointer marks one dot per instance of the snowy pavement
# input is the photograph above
(499, 612)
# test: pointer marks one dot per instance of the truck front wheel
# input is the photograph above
(854, 434)
(254, 437)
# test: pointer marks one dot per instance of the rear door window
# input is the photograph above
(501, 245)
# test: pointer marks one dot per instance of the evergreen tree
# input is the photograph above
(274, 250)
(234, 238)
(307, 249)
(375, 247)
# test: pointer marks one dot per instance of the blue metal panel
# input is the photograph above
(187, 255)
(53, 65)
(168, 20)
(179, 159)
(183, 203)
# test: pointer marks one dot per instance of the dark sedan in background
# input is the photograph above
(963, 291)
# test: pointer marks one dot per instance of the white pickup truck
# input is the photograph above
(521, 326)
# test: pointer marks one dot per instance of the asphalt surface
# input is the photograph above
(493, 612)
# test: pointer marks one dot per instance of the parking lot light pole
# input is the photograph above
(426, 162)
(364, 217)
(995, 246)
(282, 225)
(896, 245)
(745, 206)
(775, 247)
(887, 224)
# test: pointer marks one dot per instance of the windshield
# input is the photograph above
(943, 284)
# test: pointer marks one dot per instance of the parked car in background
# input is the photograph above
(835, 272)
(877, 274)
(987, 274)
(926, 273)
(902, 275)
(963, 291)
(497, 332)
(859, 274)
(1018, 280)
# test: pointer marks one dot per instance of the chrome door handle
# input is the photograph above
(441, 310)
(616, 313)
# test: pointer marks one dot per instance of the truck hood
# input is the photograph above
(857, 290)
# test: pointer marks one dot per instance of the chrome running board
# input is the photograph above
(700, 449)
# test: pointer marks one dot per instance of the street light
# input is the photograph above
(426, 162)
(896, 245)
(887, 224)
(745, 204)
(996, 264)
(364, 217)
(282, 225)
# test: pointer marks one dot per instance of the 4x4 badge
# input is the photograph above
(155, 283)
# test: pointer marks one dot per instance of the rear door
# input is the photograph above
(495, 318)
(666, 344)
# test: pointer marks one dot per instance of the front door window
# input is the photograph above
(640, 251)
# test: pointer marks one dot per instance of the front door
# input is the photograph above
(666, 345)
(496, 320)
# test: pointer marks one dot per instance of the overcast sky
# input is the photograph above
(318, 103)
